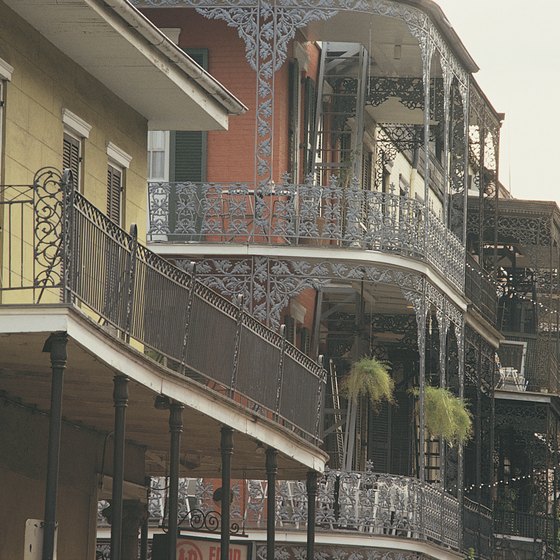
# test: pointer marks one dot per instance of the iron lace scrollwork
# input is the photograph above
(51, 215)
(206, 521)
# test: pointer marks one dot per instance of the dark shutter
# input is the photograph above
(367, 170)
(189, 161)
(290, 328)
(391, 423)
(305, 340)
(71, 156)
(401, 422)
(293, 119)
(309, 108)
(188, 149)
(379, 444)
(114, 191)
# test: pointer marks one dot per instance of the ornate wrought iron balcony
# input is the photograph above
(348, 502)
(61, 248)
(287, 214)
(529, 525)
(480, 289)
(529, 363)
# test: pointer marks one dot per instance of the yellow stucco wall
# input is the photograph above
(23, 456)
(44, 82)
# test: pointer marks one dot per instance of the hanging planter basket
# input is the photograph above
(446, 415)
(369, 377)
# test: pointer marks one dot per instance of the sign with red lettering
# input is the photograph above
(194, 548)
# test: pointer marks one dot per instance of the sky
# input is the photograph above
(517, 47)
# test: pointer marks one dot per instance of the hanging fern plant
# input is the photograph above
(369, 377)
(446, 415)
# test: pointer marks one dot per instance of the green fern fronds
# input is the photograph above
(369, 377)
(446, 415)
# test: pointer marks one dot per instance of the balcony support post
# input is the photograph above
(226, 446)
(271, 472)
(56, 345)
(175, 429)
(120, 402)
(144, 538)
(311, 512)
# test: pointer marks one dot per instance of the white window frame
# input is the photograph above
(166, 152)
(118, 156)
(74, 125)
(77, 128)
(118, 159)
(6, 71)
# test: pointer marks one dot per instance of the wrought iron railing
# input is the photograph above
(528, 525)
(481, 291)
(541, 369)
(328, 216)
(59, 247)
(477, 530)
(358, 502)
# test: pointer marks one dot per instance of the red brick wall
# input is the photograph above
(231, 154)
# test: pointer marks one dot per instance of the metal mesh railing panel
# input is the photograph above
(298, 396)
(257, 373)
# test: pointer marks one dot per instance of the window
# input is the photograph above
(293, 120)
(119, 162)
(368, 169)
(158, 155)
(309, 108)
(5, 76)
(76, 131)
(72, 156)
(114, 193)
(188, 149)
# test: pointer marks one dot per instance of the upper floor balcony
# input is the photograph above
(481, 290)
(59, 249)
(352, 504)
(309, 215)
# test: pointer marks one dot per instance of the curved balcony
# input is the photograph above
(309, 215)
(348, 503)
(64, 249)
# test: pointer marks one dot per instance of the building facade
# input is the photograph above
(109, 352)
(336, 209)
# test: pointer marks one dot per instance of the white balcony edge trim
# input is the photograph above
(328, 254)
(47, 319)
(332, 538)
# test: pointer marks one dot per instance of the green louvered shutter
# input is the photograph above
(188, 149)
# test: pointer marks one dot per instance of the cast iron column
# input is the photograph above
(135, 513)
(56, 345)
(226, 446)
(120, 402)
(311, 509)
(144, 539)
(271, 472)
(175, 429)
